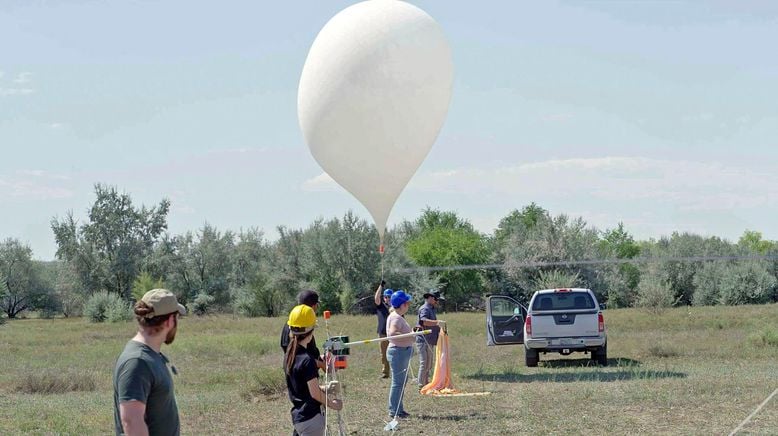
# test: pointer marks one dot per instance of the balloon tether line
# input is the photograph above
(381, 253)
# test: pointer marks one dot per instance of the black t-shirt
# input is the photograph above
(304, 407)
(312, 349)
(141, 374)
(382, 312)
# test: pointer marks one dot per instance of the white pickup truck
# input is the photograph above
(558, 320)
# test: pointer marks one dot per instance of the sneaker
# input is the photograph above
(404, 415)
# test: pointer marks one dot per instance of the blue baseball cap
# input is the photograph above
(388, 293)
(399, 298)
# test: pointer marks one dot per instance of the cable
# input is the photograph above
(636, 260)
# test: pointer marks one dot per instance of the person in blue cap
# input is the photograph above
(399, 351)
(382, 304)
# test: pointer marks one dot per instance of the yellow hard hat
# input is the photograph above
(302, 317)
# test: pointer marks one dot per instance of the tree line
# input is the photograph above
(122, 250)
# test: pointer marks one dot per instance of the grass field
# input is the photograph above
(684, 371)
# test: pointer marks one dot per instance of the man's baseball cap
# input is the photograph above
(309, 297)
(434, 294)
(162, 302)
(388, 293)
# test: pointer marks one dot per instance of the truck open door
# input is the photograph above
(504, 320)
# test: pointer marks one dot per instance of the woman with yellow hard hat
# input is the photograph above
(302, 375)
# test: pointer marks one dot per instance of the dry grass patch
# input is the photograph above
(663, 351)
(265, 383)
(767, 337)
(50, 382)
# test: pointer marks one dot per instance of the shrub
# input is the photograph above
(266, 382)
(201, 304)
(747, 283)
(259, 298)
(654, 293)
(767, 337)
(707, 283)
(55, 382)
(118, 311)
(556, 279)
(103, 306)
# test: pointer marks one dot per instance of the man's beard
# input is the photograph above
(171, 335)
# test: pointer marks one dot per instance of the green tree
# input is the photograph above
(527, 218)
(340, 259)
(550, 240)
(752, 241)
(3, 295)
(67, 290)
(680, 274)
(621, 279)
(196, 264)
(444, 239)
(109, 249)
(23, 287)
(143, 283)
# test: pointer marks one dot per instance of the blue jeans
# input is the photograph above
(398, 358)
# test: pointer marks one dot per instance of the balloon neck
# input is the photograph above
(381, 248)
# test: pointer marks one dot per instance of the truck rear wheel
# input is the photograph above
(531, 357)
(601, 355)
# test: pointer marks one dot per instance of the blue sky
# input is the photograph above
(661, 115)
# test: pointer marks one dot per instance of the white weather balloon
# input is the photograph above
(373, 96)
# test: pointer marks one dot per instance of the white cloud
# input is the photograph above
(35, 184)
(42, 174)
(16, 91)
(23, 77)
(19, 86)
(322, 182)
(56, 125)
(30, 189)
(686, 185)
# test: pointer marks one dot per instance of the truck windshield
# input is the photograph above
(563, 301)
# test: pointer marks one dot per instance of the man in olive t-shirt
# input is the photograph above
(144, 399)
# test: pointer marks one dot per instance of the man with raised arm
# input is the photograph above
(382, 297)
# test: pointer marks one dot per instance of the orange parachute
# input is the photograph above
(441, 384)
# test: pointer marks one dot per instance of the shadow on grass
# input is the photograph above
(459, 417)
(619, 369)
(576, 363)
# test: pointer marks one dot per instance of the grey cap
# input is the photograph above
(162, 302)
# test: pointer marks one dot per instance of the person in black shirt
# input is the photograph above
(302, 376)
(382, 312)
(309, 298)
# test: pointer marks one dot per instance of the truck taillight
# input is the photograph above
(528, 325)
(601, 322)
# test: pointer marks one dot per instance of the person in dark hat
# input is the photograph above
(309, 298)
(381, 300)
(425, 344)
